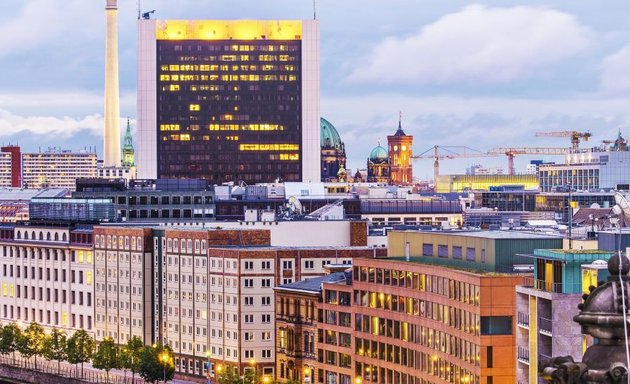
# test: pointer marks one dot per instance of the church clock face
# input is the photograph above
(395, 147)
(404, 148)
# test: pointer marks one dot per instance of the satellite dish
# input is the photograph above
(294, 205)
(622, 203)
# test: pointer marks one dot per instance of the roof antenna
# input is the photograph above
(139, 11)
(314, 11)
(399, 119)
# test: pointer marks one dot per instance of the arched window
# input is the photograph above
(48, 236)
(64, 237)
(56, 236)
(41, 235)
(19, 235)
(26, 235)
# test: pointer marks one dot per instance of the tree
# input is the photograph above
(228, 375)
(55, 347)
(157, 363)
(80, 348)
(31, 341)
(131, 356)
(106, 357)
(9, 336)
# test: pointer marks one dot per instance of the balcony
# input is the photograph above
(545, 326)
(522, 355)
(522, 319)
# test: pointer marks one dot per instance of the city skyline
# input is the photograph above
(473, 83)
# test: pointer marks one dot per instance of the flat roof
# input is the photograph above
(428, 261)
(496, 235)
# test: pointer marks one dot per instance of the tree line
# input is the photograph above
(153, 363)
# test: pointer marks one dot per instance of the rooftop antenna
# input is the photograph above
(138, 8)
(147, 15)
(314, 11)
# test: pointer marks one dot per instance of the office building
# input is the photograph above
(494, 251)
(153, 201)
(57, 169)
(397, 321)
(462, 183)
(208, 294)
(47, 275)
(588, 171)
(228, 100)
(545, 307)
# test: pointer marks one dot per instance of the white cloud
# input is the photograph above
(41, 23)
(616, 72)
(48, 126)
(477, 45)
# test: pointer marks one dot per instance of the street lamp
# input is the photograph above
(266, 379)
(252, 362)
(164, 359)
(358, 380)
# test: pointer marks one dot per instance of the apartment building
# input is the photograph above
(47, 275)
(57, 169)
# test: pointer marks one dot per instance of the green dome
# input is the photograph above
(378, 154)
(329, 137)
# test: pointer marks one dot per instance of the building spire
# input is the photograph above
(400, 132)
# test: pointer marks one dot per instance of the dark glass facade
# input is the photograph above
(229, 110)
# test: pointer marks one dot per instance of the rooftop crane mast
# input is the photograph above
(574, 135)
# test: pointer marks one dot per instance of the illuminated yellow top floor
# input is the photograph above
(228, 29)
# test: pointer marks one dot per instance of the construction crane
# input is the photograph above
(574, 135)
(465, 152)
(512, 152)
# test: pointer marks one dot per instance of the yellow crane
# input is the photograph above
(448, 152)
(574, 135)
(513, 151)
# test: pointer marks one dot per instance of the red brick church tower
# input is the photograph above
(399, 152)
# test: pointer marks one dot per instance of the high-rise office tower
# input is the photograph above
(111, 141)
(228, 100)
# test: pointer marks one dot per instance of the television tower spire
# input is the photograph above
(111, 139)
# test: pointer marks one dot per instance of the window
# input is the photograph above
(249, 265)
(266, 300)
(496, 325)
(249, 300)
(249, 319)
(266, 353)
(308, 264)
(457, 252)
(266, 265)
(266, 336)
(249, 336)
(427, 249)
(442, 250)
(470, 254)
(266, 283)
(266, 318)
(249, 283)
(249, 354)
(287, 264)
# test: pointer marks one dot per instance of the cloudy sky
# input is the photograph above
(483, 74)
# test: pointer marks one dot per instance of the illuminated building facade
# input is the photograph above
(378, 166)
(57, 169)
(229, 100)
(401, 172)
(47, 276)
